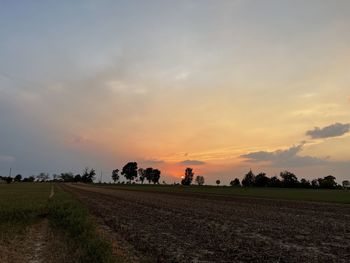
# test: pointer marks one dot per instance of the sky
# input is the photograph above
(220, 86)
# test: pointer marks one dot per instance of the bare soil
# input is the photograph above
(36, 243)
(163, 227)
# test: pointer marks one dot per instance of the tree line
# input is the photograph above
(133, 174)
(286, 179)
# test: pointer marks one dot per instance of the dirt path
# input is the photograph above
(177, 228)
(37, 243)
(34, 243)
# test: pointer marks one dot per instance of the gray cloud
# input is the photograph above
(284, 158)
(192, 162)
(334, 130)
(6, 159)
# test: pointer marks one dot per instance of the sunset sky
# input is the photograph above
(219, 86)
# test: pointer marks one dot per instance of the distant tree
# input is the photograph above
(314, 183)
(275, 182)
(28, 179)
(327, 182)
(142, 174)
(261, 180)
(289, 179)
(67, 177)
(115, 175)
(88, 175)
(235, 182)
(346, 184)
(187, 180)
(18, 178)
(77, 178)
(305, 183)
(8, 179)
(199, 180)
(248, 179)
(130, 171)
(55, 177)
(217, 182)
(43, 177)
(148, 174)
(155, 176)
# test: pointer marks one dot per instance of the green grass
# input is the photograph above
(22, 204)
(68, 214)
(316, 195)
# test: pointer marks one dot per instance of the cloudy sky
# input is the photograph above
(219, 86)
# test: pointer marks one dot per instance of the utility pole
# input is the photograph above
(101, 177)
(10, 172)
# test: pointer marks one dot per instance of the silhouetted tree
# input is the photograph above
(199, 180)
(248, 179)
(289, 179)
(346, 184)
(261, 180)
(314, 183)
(55, 177)
(42, 177)
(142, 174)
(77, 178)
(115, 175)
(149, 174)
(275, 182)
(155, 176)
(130, 171)
(88, 175)
(187, 180)
(8, 179)
(18, 178)
(327, 182)
(28, 179)
(235, 182)
(67, 177)
(217, 182)
(305, 183)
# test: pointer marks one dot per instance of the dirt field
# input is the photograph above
(167, 227)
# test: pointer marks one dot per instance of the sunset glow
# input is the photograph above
(219, 86)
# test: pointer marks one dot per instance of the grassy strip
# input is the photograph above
(315, 195)
(23, 204)
(67, 214)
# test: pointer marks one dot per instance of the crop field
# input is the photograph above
(163, 226)
(316, 195)
(44, 222)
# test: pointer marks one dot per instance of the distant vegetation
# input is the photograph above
(134, 174)
(287, 180)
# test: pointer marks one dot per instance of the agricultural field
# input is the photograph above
(157, 225)
(45, 222)
(41, 223)
(316, 195)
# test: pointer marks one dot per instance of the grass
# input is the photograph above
(23, 204)
(20, 206)
(316, 195)
(68, 214)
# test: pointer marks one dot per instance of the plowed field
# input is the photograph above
(167, 227)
